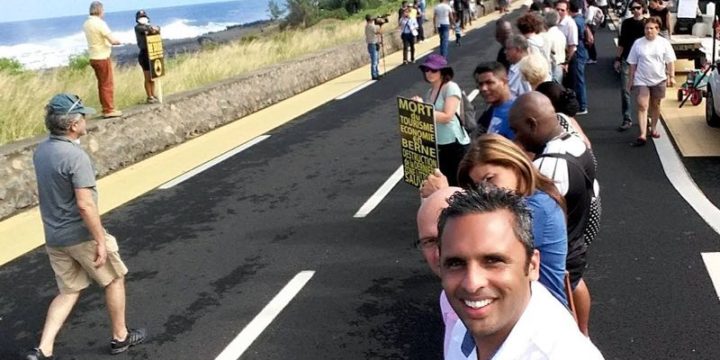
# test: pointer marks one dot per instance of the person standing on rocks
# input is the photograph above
(142, 30)
(100, 40)
(79, 248)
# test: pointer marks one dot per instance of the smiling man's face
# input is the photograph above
(486, 272)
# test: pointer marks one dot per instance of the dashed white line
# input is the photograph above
(212, 162)
(611, 26)
(380, 194)
(352, 91)
(248, 335)
(615, 40)
(712, 263)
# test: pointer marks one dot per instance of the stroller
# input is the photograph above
(693, 86)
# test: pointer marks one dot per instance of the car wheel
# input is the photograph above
(711, 115)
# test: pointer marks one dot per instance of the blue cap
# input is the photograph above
(68, 104)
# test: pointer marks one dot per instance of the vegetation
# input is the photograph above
(29, 91)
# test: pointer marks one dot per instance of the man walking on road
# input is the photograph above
(100, 40)
(79, 248)
(490, 269)
(443, 17)
(632, 29)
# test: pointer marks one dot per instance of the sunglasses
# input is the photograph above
(425, 69)
(636, 7)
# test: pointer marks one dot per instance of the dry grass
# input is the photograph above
(22, 107)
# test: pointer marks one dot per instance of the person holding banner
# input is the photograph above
(446, 96)
(142, 30)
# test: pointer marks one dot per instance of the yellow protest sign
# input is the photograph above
(418, 140)
(156, 55)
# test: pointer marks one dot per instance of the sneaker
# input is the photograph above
(37, 354)
(152, 100)
(112, 114)
(590, 62)
(582, 112)
(134, 337)
(627, 124)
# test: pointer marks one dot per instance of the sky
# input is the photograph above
(16, 10)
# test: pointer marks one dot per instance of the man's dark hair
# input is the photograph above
(493, 66)
(574, 7)
(562, 2)
(487, 199)
(563, 99)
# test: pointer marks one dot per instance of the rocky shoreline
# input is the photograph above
(126, 55)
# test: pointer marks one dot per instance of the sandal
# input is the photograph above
(638, 142)
(655, 134)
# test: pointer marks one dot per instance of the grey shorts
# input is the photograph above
(657, 92)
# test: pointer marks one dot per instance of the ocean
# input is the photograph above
(46, 43)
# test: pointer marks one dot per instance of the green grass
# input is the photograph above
(26, 92)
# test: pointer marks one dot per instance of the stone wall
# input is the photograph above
(146, 130)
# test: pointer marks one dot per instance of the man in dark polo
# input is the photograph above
(79, 248)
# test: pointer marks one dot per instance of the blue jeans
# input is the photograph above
(372, 50)
(577, 74)
(625, 94)
(557, 74)
(444, 32)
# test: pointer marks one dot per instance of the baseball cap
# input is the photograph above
(68, 104)
(141, 14)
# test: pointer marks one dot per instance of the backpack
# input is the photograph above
(592, 228)
(467, 114)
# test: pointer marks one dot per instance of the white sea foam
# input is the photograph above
(56, 52)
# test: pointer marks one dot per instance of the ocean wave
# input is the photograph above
(57, 51)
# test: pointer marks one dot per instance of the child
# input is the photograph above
(458, 32)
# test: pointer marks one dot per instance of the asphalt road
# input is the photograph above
(207, 255)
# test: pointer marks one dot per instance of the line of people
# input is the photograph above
(531, 146)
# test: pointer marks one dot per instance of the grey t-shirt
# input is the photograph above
(371, 33)
(61, 166)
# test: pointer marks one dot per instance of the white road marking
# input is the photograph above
(611, 25)
(352, 91)
(380, 194)
(212, 162)
(423, 54)
(616, 41)
(683, 183)
(712, 263)
(248, 335)
(473, 94)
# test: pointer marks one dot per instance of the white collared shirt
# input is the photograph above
(570, 29)
(545, 331)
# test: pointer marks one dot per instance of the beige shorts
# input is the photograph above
(74, 269)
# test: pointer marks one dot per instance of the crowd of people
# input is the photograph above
(507, 219)
(505, 222)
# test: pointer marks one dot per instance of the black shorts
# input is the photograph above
(575, 266)
(143, 60)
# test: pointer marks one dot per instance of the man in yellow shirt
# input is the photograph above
(100, 41)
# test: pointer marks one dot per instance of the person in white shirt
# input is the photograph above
(489, 270)
(652, 68)
(443, 17)
(569, 28)
(516, 48)
(530, 26)
(557, 42)
(593, 18)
